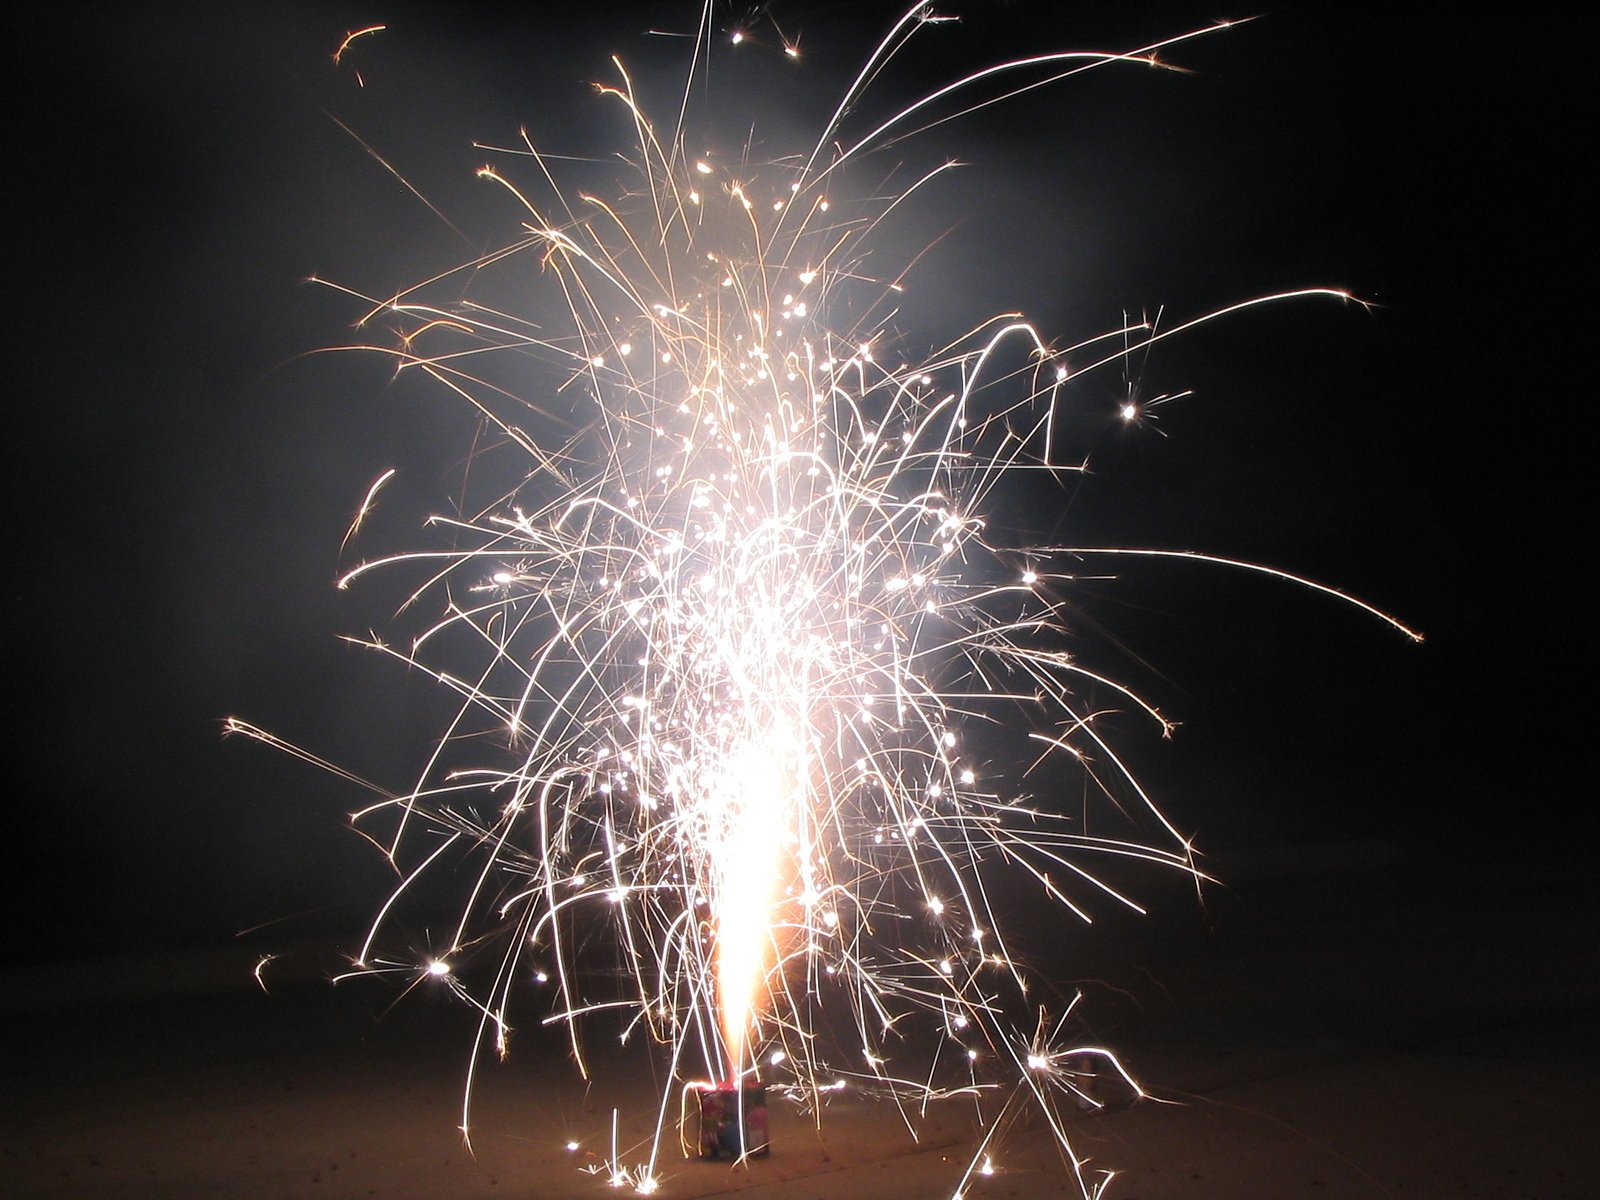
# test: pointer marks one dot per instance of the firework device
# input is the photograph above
(733, 1121)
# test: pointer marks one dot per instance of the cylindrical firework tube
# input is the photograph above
(733, 1121)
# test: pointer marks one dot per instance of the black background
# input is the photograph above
(182, 465)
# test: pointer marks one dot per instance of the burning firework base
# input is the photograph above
(732, 1121)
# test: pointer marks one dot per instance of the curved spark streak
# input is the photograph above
(744, 665)
(1244, 565)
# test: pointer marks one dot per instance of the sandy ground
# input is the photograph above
(1362, 1028)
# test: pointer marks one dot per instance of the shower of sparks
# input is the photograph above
(725, 648)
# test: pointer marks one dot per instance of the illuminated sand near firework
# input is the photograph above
(1377, 1056)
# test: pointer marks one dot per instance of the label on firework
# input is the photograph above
(733, 1121)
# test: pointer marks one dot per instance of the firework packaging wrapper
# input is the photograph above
(733, 1121)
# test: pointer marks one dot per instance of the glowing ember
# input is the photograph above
(728, 641)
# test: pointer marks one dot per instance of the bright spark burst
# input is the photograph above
(725, 649)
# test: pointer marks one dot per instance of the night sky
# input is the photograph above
(183, 464)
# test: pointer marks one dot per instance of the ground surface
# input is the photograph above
(1355, 1024)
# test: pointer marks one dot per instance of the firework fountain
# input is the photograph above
(725, 647)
